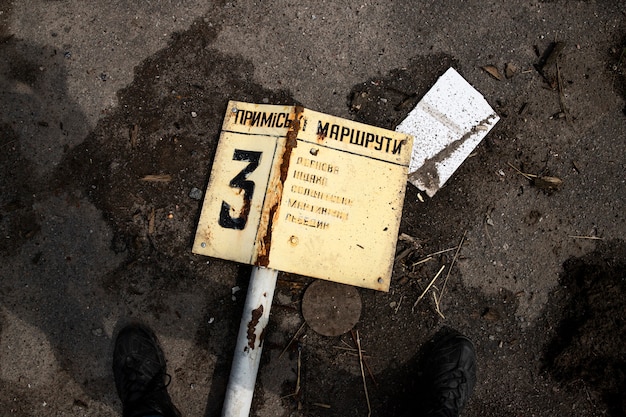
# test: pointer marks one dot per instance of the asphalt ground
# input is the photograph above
(96, 95)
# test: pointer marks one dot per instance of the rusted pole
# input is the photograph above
(256, 313)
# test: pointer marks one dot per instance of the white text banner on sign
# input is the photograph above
(304, 192)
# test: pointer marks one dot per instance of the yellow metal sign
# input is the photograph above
(304, 192)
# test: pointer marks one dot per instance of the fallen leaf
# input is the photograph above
(490, 314)
(493, 71)
(547, 65)
(510, 70)
(547, 183)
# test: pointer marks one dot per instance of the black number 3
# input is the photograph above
(241, 182)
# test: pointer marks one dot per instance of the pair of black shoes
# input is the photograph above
(141, 379)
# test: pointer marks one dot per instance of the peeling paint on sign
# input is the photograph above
(254, 321)
(275, 190)
(325, 194)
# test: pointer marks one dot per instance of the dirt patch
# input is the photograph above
(386, 100)
(588, 347)
(143, 162)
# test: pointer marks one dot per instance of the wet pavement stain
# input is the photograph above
(167, 124)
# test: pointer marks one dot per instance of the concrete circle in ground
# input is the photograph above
(331, 309)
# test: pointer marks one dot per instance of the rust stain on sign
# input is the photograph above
(278, 199)
(256, 316)
(275, 190)
(321, 135)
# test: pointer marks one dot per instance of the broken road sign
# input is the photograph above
(300, 191)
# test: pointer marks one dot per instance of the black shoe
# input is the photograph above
(450, 375)
(139, 371)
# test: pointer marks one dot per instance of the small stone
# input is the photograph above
(194, 114)
(97, 332)
(282, 298)
(195, 194)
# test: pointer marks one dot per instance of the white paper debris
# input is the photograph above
(447, 124)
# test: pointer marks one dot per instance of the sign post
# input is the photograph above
(300, 191)
(247, 356)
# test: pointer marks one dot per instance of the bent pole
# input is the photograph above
(256, 313)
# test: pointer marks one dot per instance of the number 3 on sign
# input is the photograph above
(240, 182)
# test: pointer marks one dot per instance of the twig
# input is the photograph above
(298, 373)
(349, 349)
(291, 341)
(559, 82)
(441, 251)
(357, 355)
(430, 256)
(5, 145)
(299, 368)
(157, 178)
(347, 344)
(587, 237)
(428, 287)
(437, 307)
(367, 396)
(369, 370)
(456, 255)
(398, 306)
(529, 177)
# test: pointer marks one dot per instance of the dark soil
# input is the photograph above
(588, 347)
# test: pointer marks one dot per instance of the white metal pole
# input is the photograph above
(256, 313)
